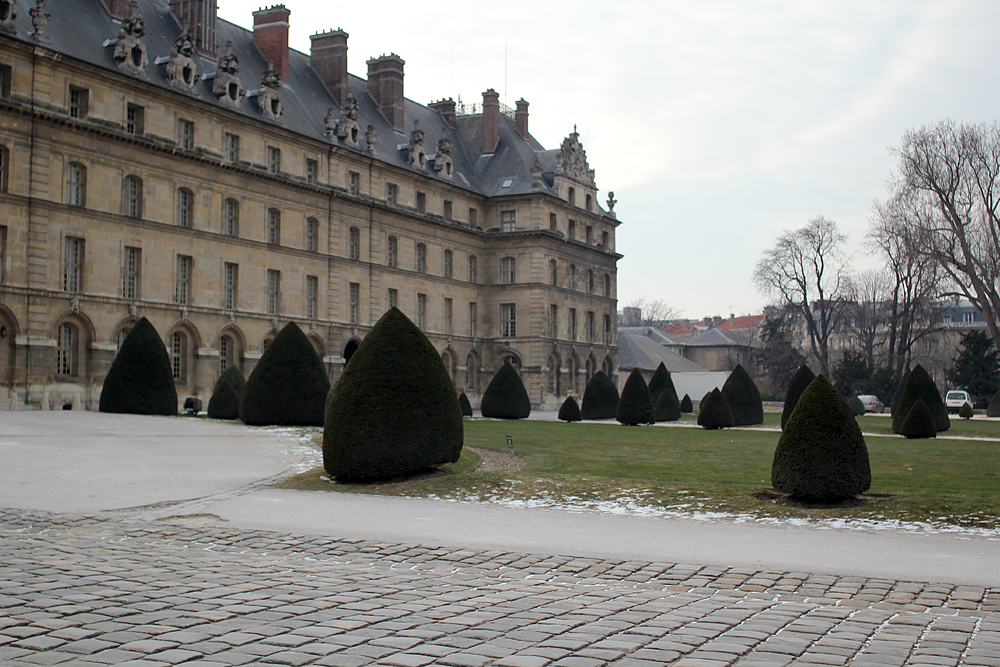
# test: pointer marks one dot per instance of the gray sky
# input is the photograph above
(718, 124)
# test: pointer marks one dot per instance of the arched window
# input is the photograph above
(590, 369)
(448, 261)
(273, 226)
(590, 202)
(590, 281)
(66, 350)
(554, 376)
(513, 361)
(178, 356)
(185, 207)
(508, 270)
(571, 374)
(472, 374)
(120, 337)
(421, 258)
(553, 273)
(4, 164)
(448, 359)
(76, 184)
(473, 269)
(132, 197)
(354, 243)
(392, 252)
(231, 218)
(229, 353)
(571, 197)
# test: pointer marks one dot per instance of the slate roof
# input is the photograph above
(637, 350)
(81, 28)
(719, 338)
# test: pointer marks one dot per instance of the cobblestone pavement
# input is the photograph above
(117, 588)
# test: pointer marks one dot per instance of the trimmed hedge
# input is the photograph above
(993, 409)
(140, 380)
(464, 405)
(686, 405)
(965, 412)
(225, 400)
(715, 412)
(919, 385)
(898, 394)
(821, 455)
(658, 382)
(743, 397)
(667, 408)
(394, 410)
(635, 406)
(919, 423)
(570, 411)
(856, 406)
(600, 398)
(505, 397)
(289, 385)
(796, 386)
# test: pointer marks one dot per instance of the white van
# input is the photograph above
(955, 399)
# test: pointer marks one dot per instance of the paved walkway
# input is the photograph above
(106, 582)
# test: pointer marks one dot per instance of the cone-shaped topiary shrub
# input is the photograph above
(570, 410)
(686, 405)
(821, 455)
(856, 406)
(505, 397)
(140, 381)
(600, 398)
(635, 406)
(993, 409)
(464, 405)
(667, 407)
(657, 383)
(898, 394)
(965, 412)
(920, 385)
(743, 397)
(394, 410)
(225, 401)
(289, 385)
(919, 423)
(796, 386)
(715, 412)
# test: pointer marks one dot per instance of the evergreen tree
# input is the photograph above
(821, 454)
(225, 400)
(686, 405)
(714, 412)
(977, 367)
(660, 381)
(993, 409)
(856, 406)
(743, 397)
(394, 410)
(464, 405)
(965, 412)
(919, 385)
(667, 407)
(600, 398)
(919, 422)
(802, 378)
(289, 385)
(140, 381)
(505, 397)
(635, 406)
(898, 394)
(570, 411)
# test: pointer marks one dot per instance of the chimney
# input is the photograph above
(198, 17)
(491, 120)
(120, 9)
(447, 110)
(385, 85)
(270, 35)
(521, 118)
(328, 57)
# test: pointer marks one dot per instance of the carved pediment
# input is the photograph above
(571, 160)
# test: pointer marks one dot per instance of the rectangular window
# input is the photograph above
(473, 269)
(273, 291)
(273, 159)
(572, 229)
(76, 184)
(392, 299)
(182, 288)
(508, 271)
(231, 284)
(507, 221)
(421, 258)
(312, 296)
(231, 147)
(448, 263)
(590, 326)
(79, 102)
(571, 332)
(312, 171)
(447, 210)
(353, 293)
(473, 217)
(447, 315)
(231, 217)
(73, 265)
(312, 234)
(590, 234)
(130, 273)
(553, 321)
(185, 207)
(421, 311)
(607, 330)
(391, 194)
(185, 134)
(177, 353)
(5, 77)
(508, 324)
(473, 318)
(135, 117)
(3, 252)
(604, 239)
(354, 243)
(552, 221)
(354, 183)
(421, 202)
(273, 226)
(132, 200)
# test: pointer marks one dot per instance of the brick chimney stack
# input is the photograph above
(521, 118)
(491, 120)
(270, 35)
(385, 85)
(328, 57)
(198, 17)
(447, 110)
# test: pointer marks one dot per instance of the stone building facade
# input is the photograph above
(172, 165)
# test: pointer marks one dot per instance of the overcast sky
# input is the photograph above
(717, 124)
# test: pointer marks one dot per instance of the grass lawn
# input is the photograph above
(688, 470)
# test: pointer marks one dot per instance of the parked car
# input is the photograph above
(872, 404)
(955, 399)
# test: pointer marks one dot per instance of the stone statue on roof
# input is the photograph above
(39, 19)
(418, 156)
(268, 96)
(8, 14)
(130, 48)
(572, 160)
(226, 86)
(443, 164)
(348, 130)
(371, 138)
(181, 69)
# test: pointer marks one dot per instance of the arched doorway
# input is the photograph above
(472, 367)
(450, 364)
(591, 368)
(554, 380)
(350, 349)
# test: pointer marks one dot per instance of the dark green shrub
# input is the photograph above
(686, 405)
(635, 406)
(743, 397)
(919, 423)
(225, 401)
(898, 394)
(140, 380)
(600, 398)
(570, 411)
(965, 412)
(667, 407)
(796, 386)
(993, 409)
(715, 412)
(289, 385)
(660, 381)
(919, 385)
(394, 410)
(505, 397)
(821, 454)
(464, 405)
(856, 406)
(235, 378)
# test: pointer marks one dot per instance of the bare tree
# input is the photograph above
(642, 313)
(866, 314)
(808, 270)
